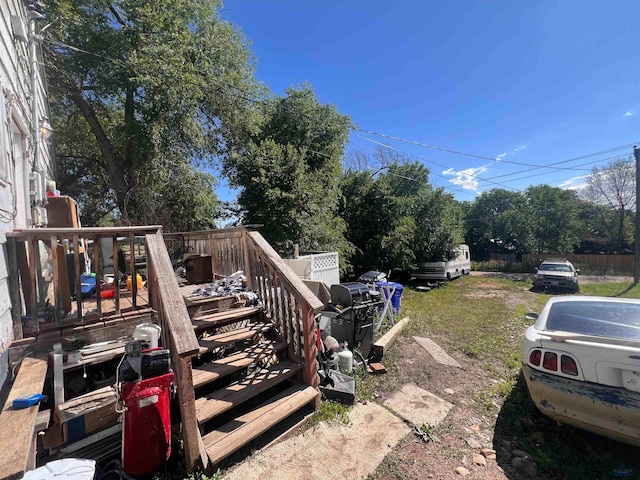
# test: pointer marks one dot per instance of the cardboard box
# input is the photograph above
(199, 268)
(86, 413)
(62, 212)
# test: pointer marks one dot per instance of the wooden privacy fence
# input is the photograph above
(598, 264)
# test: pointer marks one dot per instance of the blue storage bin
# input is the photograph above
(397, 293)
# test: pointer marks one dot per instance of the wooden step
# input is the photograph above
(220, 319)
(220, 401)
(222, 442)
(225, 366)
(238, 335)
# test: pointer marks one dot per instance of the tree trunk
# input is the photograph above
(114, 170)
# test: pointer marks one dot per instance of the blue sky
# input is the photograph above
(533, 83)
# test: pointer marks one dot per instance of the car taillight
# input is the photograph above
(550, 361)
(568, 365)
(534, 357)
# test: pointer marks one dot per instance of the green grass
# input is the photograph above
(328, 412)
(624, 290)
(484, 319)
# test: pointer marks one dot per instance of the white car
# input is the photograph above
(581, 362)
(556, 274)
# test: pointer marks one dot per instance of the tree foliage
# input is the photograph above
(144, 91)
(395, 217)
(488, 227)
(288, 173)
(614, 186)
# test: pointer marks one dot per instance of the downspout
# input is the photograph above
(38, 214)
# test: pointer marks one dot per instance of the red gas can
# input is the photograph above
(146, 433)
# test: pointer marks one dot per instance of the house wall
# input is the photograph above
(18, 126)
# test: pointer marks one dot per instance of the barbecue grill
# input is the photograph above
(352, 310)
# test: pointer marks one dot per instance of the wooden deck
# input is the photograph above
(234, 365)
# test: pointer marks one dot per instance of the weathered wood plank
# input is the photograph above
(194, 451)
(45, 233)
(237, 393)
(224, 318)
(220, 368)
(176, 316)
(17, 426)
(223, 442)
(222, 339)
(384, 343)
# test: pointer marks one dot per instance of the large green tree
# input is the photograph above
(488, 223)
(145, 92)
(395, 217)
(550, 221)
(289, 172)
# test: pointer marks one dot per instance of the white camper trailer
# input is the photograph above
(445, 270)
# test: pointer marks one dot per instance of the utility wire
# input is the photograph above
(242, 94)
(431, 173)
(426, 145)
(441, 165)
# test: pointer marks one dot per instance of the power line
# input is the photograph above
(441, 165)
(426, 145)
(483, 157)
(431, 173)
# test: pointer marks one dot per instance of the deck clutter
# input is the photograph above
(238, 352)
(236, 355)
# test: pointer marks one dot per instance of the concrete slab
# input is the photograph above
(329, 451)
(418, 406)
(438, 354)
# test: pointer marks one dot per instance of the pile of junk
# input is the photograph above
(345, 332)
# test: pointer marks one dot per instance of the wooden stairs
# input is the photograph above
(244, 382)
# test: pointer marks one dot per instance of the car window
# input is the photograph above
(552, 267)
(600, 319)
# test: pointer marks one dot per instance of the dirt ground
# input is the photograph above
(465, 433)
(461, 436)
(472, 442)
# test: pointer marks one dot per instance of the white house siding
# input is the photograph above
(16, 147)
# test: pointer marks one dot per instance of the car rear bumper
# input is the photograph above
(612, 412)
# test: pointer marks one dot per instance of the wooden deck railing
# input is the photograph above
(37, 259)
(40, 287)
(286, 299)
(179, 335)
(46, 267)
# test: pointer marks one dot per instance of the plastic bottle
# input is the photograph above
(345, 359)
(138, 281)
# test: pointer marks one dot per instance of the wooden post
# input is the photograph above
(310, 372)
(96, 269)
(56, 280)
(132, 268)
(194, 451)
(32, 282)
(115, 258)
(14, 288)
(76, 276)
(636, 256)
